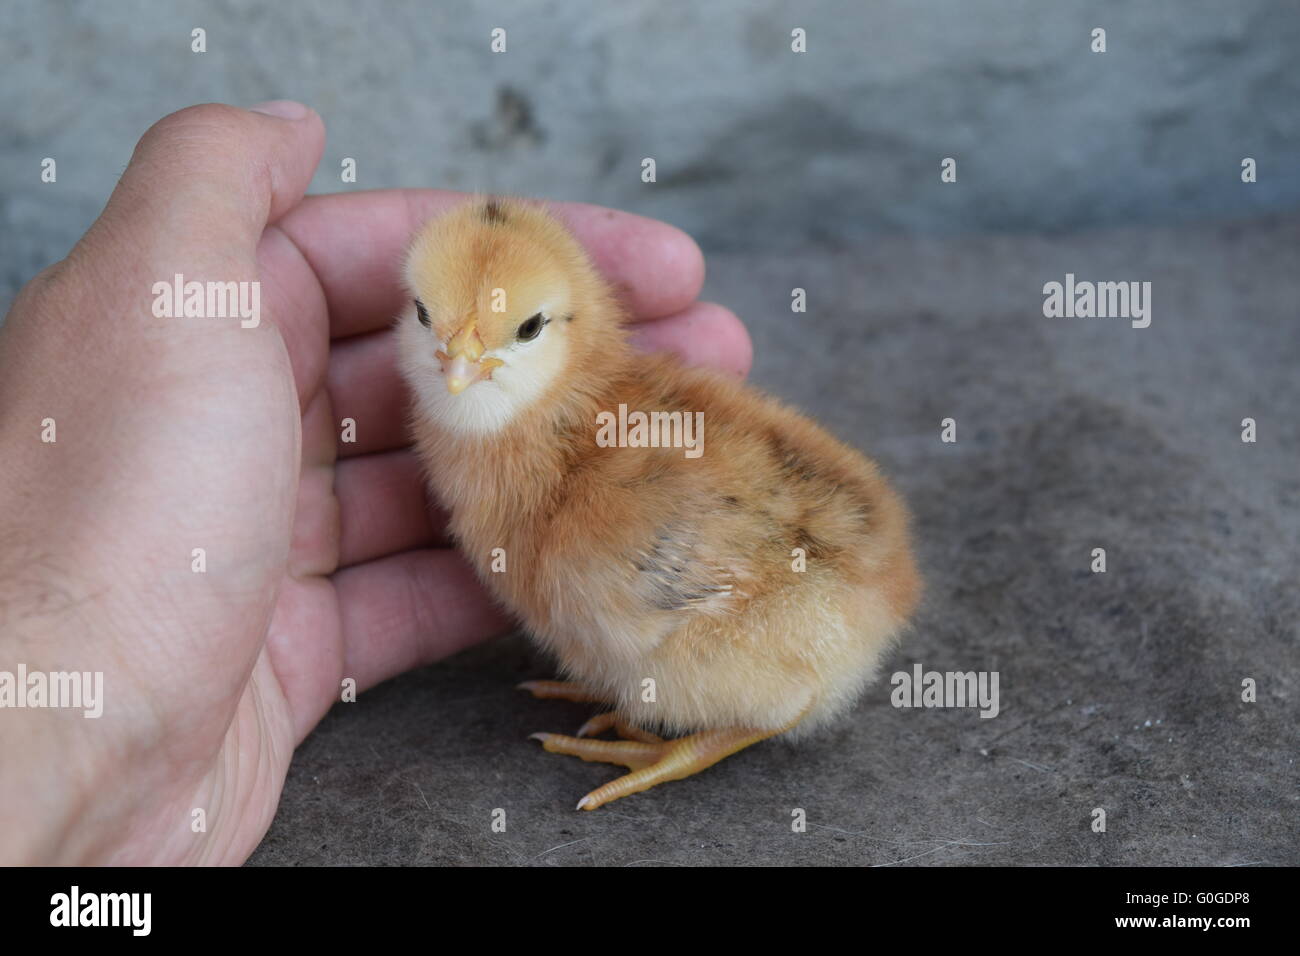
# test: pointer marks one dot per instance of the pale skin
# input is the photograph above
(324, 561)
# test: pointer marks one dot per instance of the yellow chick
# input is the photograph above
(699, 558)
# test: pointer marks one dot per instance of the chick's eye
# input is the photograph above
(529, 329)
(422, 313)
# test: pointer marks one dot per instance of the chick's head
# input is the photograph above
(506, 311)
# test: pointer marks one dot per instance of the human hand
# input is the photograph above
(323, 560)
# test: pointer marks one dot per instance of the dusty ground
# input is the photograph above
(1119, 690)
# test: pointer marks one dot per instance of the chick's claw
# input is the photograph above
(651, 763)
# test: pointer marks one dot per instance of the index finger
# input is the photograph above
(355, 243)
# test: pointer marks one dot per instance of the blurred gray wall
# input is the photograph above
(757, 147)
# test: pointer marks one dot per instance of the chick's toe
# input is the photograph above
(652, 763)
(561, 690)
(610, 720)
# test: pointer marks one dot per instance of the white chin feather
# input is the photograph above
(485, 406)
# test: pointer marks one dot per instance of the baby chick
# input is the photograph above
(742, 593)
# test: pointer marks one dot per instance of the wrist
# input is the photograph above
(53, 732)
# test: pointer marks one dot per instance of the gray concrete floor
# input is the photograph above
(1119, 690)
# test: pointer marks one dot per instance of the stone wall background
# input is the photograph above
(757, 147)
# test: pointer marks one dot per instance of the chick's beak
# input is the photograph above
(463, 363)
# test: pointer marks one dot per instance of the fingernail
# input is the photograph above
(285, 109)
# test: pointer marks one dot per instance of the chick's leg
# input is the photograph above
(652, 763)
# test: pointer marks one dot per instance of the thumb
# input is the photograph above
(205, 181)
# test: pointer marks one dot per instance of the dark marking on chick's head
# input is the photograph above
(492, 212)
(569, 317)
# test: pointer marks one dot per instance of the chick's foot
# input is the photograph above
(651, 763)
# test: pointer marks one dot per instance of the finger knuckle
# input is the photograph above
(207, 122)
